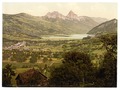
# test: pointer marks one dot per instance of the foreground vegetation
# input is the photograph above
(84, 63)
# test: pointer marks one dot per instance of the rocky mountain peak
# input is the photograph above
(71, 15)
(55, 14)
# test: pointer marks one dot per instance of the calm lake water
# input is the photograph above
(66, 37)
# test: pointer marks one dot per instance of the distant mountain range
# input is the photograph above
(72, 16)
(27, 26)
(106, 27)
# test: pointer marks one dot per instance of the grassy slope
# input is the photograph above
(106, 27)
(25, 26)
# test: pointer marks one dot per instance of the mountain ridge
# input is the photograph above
(28, 26)
(72, 16)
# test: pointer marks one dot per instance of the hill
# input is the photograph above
(106, 27)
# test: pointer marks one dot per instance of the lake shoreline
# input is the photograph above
(65, 37)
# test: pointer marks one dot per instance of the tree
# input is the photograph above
(45, 59)
(76, 70)
(6, 54)
(110, 66)
(110, 43)
(7, 74)
(107, 73)
(83, 63)
(19, 56)
(64, 76)
(33, 58)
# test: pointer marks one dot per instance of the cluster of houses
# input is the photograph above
(19, 45)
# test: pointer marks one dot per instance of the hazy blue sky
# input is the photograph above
(106, 10)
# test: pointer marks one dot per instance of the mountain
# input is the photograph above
(72, 16)
(54, 15)
(88, 20)
(22, 25)
(106, 27)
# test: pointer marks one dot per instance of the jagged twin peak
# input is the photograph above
(55, 14)
(71, 15)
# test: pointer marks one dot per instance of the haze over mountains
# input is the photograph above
(27, 26)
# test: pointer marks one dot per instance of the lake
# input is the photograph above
(65, 37)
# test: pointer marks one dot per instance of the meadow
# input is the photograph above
(49, 54)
